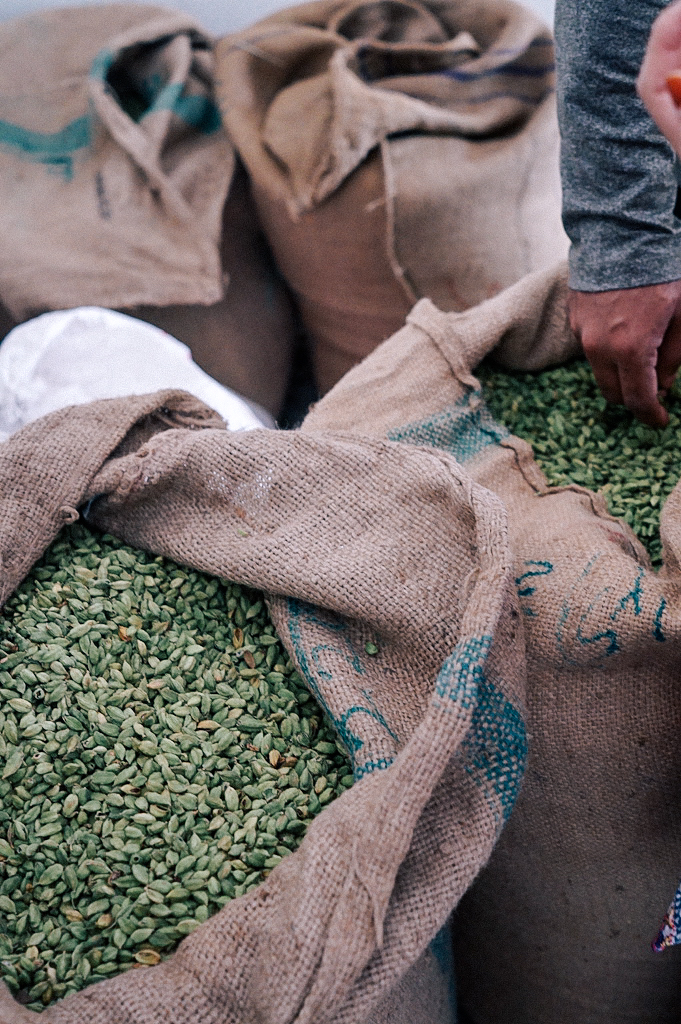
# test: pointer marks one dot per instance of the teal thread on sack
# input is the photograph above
(635, 595)
(463, 430)
(540, 568)
(535, 569)
(198, 111)
(495, 747)
(604, 641)
(153, 95)
(301, 613)
(462, 673)
(658, 632)
(102, 64)
(54, 149)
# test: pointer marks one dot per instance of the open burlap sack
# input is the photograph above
(398, 149)
(353, 540)
(558, 928)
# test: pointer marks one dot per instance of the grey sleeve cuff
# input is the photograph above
(607, 254)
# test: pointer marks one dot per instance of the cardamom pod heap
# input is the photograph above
(159, 754)
(578, 438)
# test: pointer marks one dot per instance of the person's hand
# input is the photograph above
(662, 58)
(632, 338)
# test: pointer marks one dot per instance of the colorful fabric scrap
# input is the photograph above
(670, 932)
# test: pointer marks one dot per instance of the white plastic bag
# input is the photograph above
(74, 356)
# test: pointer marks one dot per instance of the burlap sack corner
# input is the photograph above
(559, 925)
(352, 539)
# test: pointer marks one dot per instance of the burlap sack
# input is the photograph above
(113, 165)
(558, 928)
(353, 540)
(115, 169)
(398, 149)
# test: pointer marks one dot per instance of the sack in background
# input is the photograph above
(116, 171)
(397, 149)
(558, 927)
(356, 541)
(113, 163)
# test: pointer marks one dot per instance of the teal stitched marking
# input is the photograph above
(198, 111)
(54, 149)
(609, 634)
(352, 659)
(463, 430)
(604, 634)
(462, 673)
(566, 610)
(300, 612)
(372, 766)
(495, 747)
(542, 569)
(658, 632)
(635, 595)
(102, 64)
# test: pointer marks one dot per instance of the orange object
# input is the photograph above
(674, 84)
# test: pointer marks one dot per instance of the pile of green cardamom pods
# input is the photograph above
(579, 438)
(159, 755)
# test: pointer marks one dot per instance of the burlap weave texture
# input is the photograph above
(558, 927)
(398, 149)
(352, 539)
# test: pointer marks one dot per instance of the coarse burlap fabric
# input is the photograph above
(354, 540)
(397, 149)
(557, 930)
(246, 340)
(113, 164)
(122, 190)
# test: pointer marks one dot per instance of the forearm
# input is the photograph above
(619, 185)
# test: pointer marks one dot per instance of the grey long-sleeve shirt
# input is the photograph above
(618, 171)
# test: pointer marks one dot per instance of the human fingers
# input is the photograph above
(639, 386)
(669, 355)
(606, 374)
(663, 58)
(587, 320)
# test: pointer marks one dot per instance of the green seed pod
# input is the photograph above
(187, 926)
(70, 805)
(231, 799)
(51, 875)
(7, 905)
